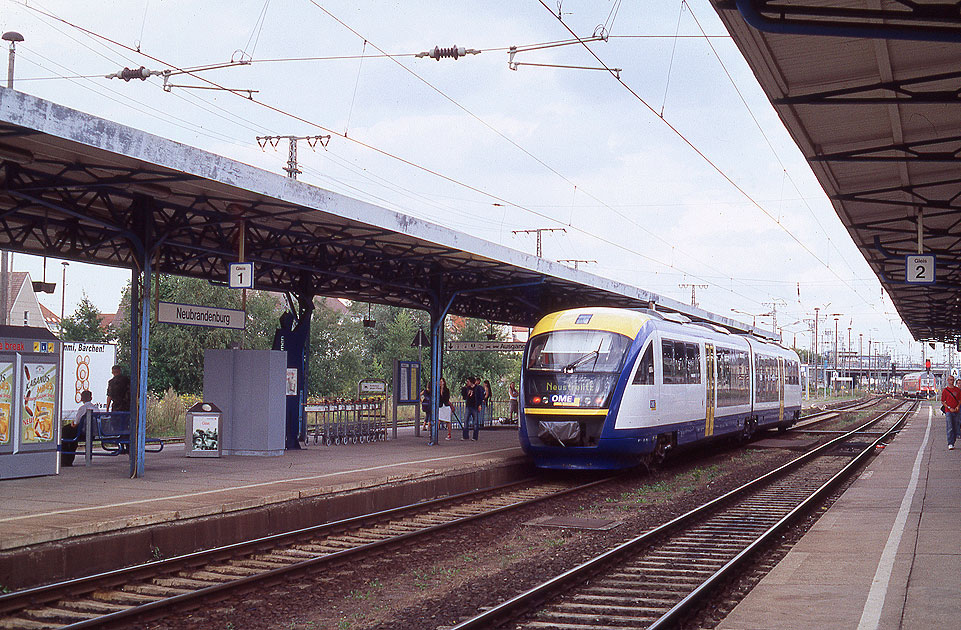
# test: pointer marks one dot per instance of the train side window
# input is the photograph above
(645, 371)
(667, 361)
(693, 363)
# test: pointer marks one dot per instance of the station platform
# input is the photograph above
(88, 519)
(886, 555)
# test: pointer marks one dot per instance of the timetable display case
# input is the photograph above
(29, 402)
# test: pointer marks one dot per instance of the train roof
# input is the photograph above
(628, 322)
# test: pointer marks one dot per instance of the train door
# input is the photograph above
(711, 380)
(780, 389)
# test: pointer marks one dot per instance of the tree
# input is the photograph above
(391, 338)
(84, 325)
(339, 356)
(500, 368)
(176, 353)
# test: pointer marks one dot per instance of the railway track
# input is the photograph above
(813, 419)
(664, 576)
(116, 598)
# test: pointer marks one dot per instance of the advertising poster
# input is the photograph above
(205, 436)
(6, 401)
(39, 402)
(291, 381)
(85, 366)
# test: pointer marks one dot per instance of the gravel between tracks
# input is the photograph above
(435, 585)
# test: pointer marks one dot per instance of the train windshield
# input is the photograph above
(570, 351)
(573, 368)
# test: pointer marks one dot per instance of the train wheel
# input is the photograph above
(661, 450)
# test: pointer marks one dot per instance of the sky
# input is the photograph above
(678, 173)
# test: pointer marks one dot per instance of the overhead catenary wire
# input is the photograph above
(704, 156)
(394, 156)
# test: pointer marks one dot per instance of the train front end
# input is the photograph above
(569, 383)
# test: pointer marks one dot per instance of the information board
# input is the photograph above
(485, 346)
(407, 382)
(204, 434)
(919, 268)
(6, 401)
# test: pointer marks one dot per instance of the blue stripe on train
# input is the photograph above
(624, 448)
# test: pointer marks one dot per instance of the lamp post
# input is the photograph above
(63, 292)
(13, 37)
(860, 356)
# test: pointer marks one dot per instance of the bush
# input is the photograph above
(165, 416)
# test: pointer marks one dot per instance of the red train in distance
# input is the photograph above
(919, 385)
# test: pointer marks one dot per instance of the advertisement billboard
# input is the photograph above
(85, 366)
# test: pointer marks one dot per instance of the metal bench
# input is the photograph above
(112, 430)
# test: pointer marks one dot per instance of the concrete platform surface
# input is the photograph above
(885, 556)
(102, 498)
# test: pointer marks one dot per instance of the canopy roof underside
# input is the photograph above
(870, 91)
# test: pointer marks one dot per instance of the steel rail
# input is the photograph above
(72, 589)
(529, 600)
(693, 601)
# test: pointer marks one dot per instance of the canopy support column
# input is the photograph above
(438, 315)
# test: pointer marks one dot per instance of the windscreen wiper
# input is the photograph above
(569, 368)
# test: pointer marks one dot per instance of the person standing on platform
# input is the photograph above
(425, 406)
(444, 407)
(480, 395)
(118, 390)
(488, 400)
(512, 394)
(471, 402)
(951, 403)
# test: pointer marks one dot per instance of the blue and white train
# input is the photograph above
(606, 388)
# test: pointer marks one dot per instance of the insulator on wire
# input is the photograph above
(137, 73)
(454, 52)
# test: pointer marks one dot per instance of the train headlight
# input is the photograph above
(536, 400)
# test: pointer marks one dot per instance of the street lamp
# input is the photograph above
(13, 37)
(63, 291)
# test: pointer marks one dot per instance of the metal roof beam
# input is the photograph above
(900, 19)
(903, 152)
(905, 91)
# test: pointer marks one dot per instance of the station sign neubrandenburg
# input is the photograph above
(193, 315)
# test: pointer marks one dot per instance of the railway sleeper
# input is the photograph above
(629, 612)
(659, 570)
(605, 592)
(122, 597)
(233, 569)
(253, 563)
(15, 623)
(62, 616)
(595, 620)
(158, 591)
(91, 606)
(687, 557)
(648, 599)
(645, 581)
(294, 554)
(188, 582)
(537, 625)
(348, 543)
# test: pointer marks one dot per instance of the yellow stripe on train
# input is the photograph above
(616, 320)
(564, 411)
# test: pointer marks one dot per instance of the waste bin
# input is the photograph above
(203, 430)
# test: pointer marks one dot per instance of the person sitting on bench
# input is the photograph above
(74, 431)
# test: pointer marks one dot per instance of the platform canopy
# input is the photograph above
(78, 187)
(871, 93)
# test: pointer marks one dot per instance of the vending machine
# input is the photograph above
(29, 401)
